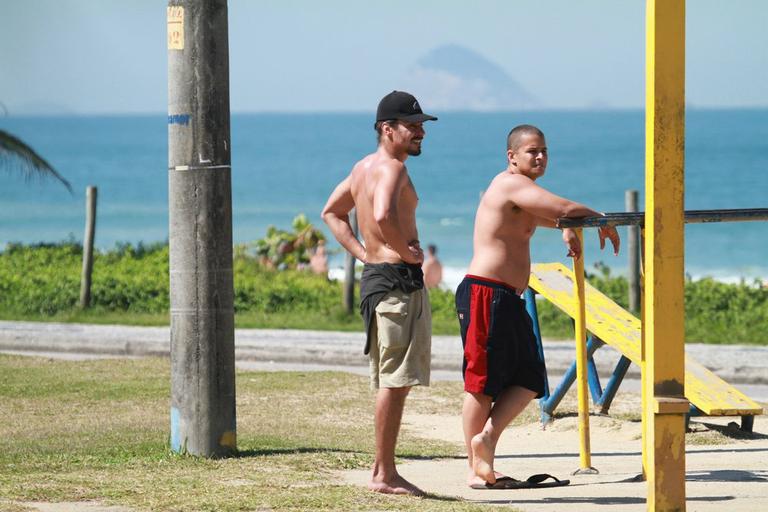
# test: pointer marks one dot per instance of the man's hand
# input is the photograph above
(611, 234)
(416, 252)
(571, 241)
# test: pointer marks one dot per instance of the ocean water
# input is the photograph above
(285, 164)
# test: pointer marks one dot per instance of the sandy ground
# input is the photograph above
(731, 476)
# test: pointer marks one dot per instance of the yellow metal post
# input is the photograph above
(664, 356)
(585, 457)
(643, 373)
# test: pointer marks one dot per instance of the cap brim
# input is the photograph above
(418, 118)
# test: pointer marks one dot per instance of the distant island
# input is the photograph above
(456, 78)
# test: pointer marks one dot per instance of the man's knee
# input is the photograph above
(481, 398)
(402, 391)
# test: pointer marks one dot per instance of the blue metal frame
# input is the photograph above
(609, 393)
(549, 402)
(530, 307)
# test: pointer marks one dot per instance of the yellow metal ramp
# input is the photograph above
(620, 329)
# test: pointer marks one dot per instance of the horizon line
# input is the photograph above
(368, 112)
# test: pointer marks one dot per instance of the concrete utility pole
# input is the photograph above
(200, 204)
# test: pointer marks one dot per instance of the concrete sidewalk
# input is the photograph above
(746, 364)
(719, 477)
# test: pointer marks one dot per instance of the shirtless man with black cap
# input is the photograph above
(394, 302)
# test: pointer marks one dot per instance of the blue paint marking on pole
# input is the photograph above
(182, 119)
(175, 437)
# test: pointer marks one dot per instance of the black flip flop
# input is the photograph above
(532, 482)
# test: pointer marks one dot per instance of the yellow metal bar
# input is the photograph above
(585, 457)
(664, 220)
(643, 373)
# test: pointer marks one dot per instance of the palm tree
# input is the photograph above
(14, 151)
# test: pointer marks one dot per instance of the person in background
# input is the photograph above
(318, 263)
(433, 269)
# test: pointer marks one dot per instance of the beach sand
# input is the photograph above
(730, 475)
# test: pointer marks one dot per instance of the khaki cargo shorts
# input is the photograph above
(401, 340)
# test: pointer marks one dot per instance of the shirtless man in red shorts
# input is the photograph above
(502, 369)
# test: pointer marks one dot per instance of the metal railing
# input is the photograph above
(583, 349)
(691, 217)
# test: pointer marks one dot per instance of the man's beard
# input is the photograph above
(414, 152)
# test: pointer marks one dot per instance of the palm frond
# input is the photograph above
(14, 151)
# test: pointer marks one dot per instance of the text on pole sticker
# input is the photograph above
(175, 27)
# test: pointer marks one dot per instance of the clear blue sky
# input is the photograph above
(109, 56)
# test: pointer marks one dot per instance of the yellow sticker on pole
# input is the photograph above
(175, 27)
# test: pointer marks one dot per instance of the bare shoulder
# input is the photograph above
(392, 165)
(364, 167)
(363, 164)
(508, 181)
(389, 170)
(505, 184)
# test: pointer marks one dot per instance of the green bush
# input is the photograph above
(726, 313)
(45, 279)
(41, 281)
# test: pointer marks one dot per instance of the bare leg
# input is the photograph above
(475, 414)
(482, 445)
(389, 412)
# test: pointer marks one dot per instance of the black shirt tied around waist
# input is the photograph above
(379, 279)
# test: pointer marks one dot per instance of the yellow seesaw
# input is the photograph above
(620, 329)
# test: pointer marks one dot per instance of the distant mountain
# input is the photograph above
(453, 77)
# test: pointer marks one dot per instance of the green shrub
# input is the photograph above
(43, 280)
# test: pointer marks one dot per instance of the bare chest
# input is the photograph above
(519, 223)
(408, 197)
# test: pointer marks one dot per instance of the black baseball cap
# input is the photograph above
(399, 105)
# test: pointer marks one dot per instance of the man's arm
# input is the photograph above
(386, 214)
(570, 239)
(548, 207)
(528, 196)
(336, 216)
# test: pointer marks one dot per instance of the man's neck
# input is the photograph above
(386, 149)
(513, 170)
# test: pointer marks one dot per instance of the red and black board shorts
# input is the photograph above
(499, 345)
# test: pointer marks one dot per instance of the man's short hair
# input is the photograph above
(378, 127)
(513, 139)
(432, 248)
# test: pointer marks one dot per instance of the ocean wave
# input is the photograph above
(451, 221)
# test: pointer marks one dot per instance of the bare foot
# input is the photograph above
(482, 457)
(473, 479)
(397, 485)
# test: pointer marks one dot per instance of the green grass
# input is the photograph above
(98, 431)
